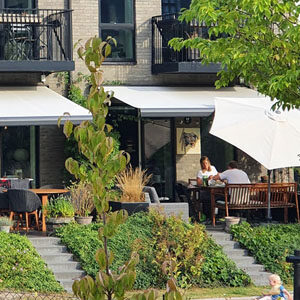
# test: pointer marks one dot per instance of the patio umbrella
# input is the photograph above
(270, 137)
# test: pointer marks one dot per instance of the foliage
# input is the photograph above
(22, 269)
(258, 40)
(270, 245)
(100, 169)
(199, 261)
(5, 221)
(82, 198)
(131, 183)
(60, 207)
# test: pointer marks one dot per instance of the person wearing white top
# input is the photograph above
(206, 170)
(233, 174)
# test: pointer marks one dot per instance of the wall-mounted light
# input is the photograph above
(187, 120)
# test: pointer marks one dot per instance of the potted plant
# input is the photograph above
(5, 224)
(59, 211)
(82, 201)
(131, 183)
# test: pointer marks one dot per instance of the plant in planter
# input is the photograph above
(59, 211)
(5, 224)
(82, 201)
(131, 183)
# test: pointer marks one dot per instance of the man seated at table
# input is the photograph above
(233, 174)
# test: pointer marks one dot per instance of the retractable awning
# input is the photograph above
(37, 105)
(163, 101)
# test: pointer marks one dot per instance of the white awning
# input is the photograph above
(162, 101)
(37, 105)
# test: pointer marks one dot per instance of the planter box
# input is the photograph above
(84, 220)
(130, 207)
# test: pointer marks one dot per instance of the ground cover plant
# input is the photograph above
(21, 267)
(199, 261)
(270, 245)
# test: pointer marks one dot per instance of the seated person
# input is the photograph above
(209, 171)
(232, 174)
(206, 170)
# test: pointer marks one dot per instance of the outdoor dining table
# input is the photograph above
(44, 195)
(196, 198)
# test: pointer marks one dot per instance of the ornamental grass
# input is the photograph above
(131, 183)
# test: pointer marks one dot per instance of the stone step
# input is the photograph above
(44, 241)
(241, 257)
(259, 278)
(232, 253)
(62, 257)
(67, 284)
(69, 275)
(220, 236)
(248, 268)
(53, 249)
(66, 266)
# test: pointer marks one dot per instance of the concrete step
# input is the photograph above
(259, 278)
(44, 241)
(241, 257)
(67, 284)
(62, 257)
(248, 268)
(67, 275)
(220, 236)
(66, 266)
(52, 249)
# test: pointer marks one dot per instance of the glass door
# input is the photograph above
(158, 156)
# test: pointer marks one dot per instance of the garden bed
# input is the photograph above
(200, 262)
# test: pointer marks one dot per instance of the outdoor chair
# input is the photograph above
(23, 202)
(3, 201)
(154, 198)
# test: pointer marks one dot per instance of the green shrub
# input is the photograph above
(60, 207)
(21, 267)
(199, 261)
(270, 245)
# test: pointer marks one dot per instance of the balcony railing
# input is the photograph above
(164, 58)
(42, 35)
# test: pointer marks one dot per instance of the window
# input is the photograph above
(174, 6)
(19, 4)
(117, 21)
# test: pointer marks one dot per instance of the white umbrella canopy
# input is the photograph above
(270, 137)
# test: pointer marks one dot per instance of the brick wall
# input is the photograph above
(52, 157)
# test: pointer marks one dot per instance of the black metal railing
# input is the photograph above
(166, 27)
(35, 34)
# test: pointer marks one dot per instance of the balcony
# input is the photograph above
(35, 40)
(165, 59)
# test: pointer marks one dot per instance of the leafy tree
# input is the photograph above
(103, 164)
(258, 40)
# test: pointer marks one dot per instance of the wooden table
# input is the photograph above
(44, 195)
(196, 199)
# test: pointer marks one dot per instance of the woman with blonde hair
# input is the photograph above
(207, 170)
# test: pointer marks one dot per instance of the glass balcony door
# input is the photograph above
(158, 154)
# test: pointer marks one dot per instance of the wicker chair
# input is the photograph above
(23, 202)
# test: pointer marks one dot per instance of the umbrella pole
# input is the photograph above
(269, 217)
